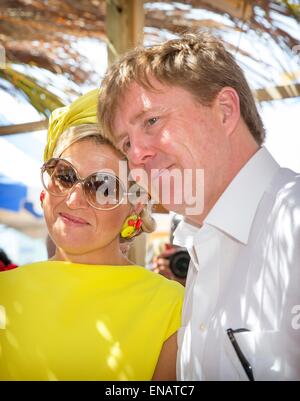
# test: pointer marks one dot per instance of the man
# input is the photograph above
(185, 105)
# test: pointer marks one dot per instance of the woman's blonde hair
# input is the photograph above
(91, 132)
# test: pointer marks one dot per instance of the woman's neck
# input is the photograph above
(98, 257)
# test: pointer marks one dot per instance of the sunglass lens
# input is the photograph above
(59, 177)
(104, 190)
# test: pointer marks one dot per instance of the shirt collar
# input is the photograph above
(235, 209)
(184, 235)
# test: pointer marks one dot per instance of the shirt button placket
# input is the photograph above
(202, 327)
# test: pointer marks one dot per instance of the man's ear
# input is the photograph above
(229, 109)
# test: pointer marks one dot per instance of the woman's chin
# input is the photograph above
(73, 246)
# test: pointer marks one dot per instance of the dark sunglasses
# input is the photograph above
(102, 190)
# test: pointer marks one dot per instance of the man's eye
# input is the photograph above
(152, 121)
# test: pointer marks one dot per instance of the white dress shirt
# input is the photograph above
(244, 273)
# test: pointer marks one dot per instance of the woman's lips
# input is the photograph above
(69, 219)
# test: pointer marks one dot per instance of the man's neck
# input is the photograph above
(243, 148)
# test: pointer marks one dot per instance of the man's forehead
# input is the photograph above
(151, 88)
(137, 98)
(135, 101)
(135, 91)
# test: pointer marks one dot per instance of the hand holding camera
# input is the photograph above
(172, 263)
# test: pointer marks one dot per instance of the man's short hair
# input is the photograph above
(198, 63)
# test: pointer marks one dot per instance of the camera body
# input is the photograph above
(179, 263)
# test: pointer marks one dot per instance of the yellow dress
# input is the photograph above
(66, 321)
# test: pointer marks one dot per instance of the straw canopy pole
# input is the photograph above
(124, 26)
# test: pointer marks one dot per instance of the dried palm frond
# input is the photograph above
(42, 33)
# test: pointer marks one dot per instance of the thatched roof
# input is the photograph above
(41, 33)
(36, 31)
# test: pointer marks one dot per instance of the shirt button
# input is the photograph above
(202, 327)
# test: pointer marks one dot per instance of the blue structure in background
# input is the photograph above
(12, 194)
(16, 194)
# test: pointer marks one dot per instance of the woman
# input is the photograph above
(88, 313)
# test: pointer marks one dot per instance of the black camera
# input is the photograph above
(179, 263)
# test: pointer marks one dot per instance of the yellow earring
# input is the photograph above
(131, 226)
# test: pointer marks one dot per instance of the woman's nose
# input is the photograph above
(76, 197)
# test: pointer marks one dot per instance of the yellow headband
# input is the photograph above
(82, 111)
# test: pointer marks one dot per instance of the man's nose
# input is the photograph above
(76, 198)
(141, 151)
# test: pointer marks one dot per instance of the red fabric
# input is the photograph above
(3, 268)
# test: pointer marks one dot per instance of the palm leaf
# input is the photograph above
(38, 96)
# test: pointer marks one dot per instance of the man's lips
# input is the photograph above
(73, 219)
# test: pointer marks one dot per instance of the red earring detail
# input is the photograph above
(138, 223)
(42, 196)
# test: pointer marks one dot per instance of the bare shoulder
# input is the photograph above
(166, 366)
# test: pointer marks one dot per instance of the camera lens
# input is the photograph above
(179, 263)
